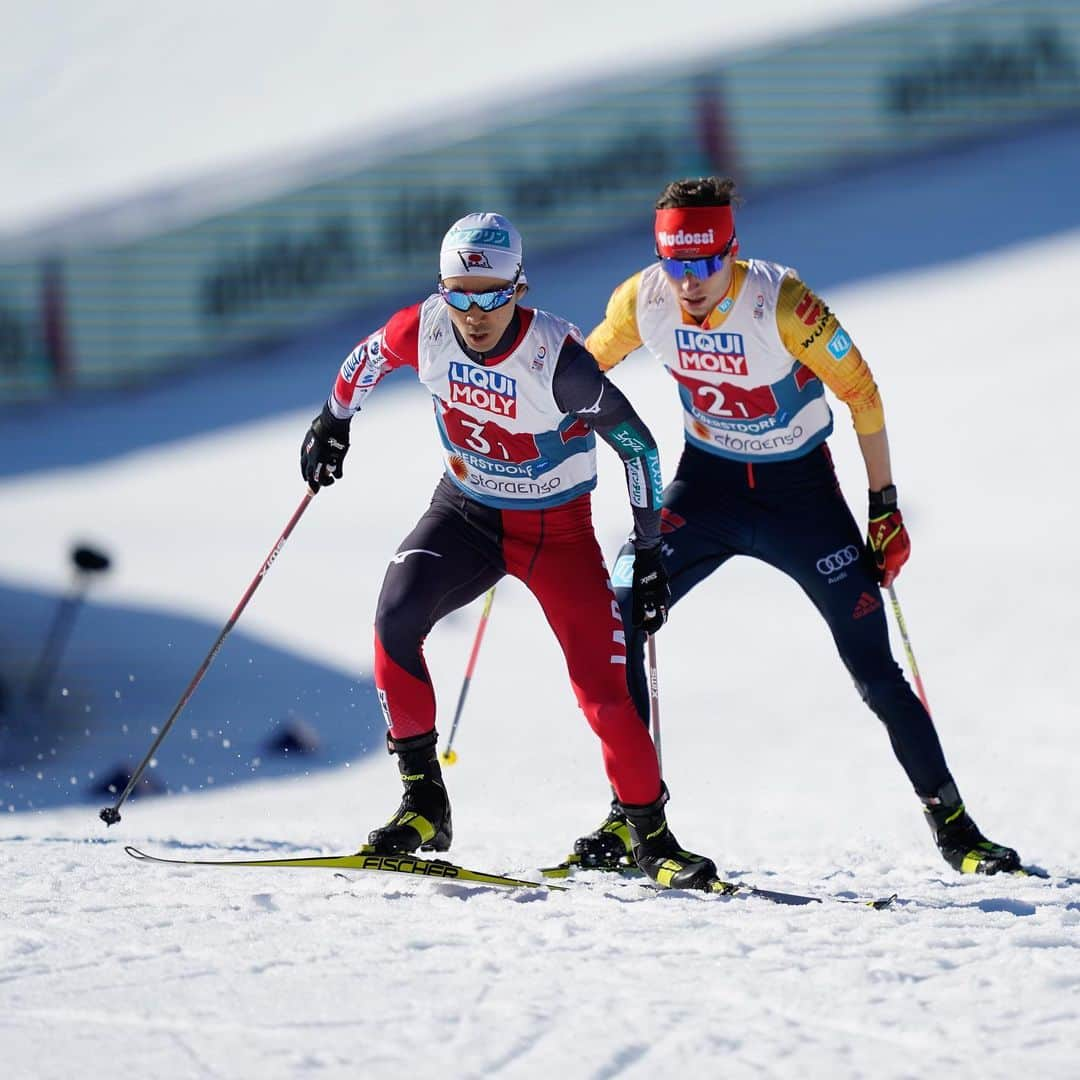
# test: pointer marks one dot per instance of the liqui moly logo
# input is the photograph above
(491, 391)
(710, 351)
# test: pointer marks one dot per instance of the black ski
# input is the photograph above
(1060, 880)
(718, 887)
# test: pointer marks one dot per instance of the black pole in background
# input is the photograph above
(88, 562)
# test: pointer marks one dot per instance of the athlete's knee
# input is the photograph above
(400, 624)
(882, 687)
(611, 719)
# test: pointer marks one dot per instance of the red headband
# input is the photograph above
(689, 232)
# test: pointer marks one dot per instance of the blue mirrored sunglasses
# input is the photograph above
(677, 269)
(461, 300)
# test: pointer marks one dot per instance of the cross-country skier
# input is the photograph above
(517, 401)
(752, 349)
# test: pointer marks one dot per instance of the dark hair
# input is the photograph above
(701, 191)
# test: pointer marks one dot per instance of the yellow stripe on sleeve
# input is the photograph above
(814, 336)
(617, 336)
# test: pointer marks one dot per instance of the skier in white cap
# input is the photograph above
(519, 401)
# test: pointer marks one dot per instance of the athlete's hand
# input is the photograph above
(651, 593)
(886, 536)
(323, 450)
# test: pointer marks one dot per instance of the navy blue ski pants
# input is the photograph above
(791, 515)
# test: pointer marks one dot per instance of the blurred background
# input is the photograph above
(204, 206)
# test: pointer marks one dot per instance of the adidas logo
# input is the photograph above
(865, 606)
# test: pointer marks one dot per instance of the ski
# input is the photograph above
(1061, 880)
(627, 870)
(441, 870)
(572, 865)
(438, 869)
(738, 888)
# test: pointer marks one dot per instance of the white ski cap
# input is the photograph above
(484, 244)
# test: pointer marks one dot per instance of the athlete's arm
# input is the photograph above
(814, 336)
(326, 443)
(875, 452)
(617, 336)
(582, 390)
(392, 346)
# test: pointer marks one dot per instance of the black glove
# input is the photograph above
(650, 591)
(323, 449)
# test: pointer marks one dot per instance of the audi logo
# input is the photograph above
(829, 564)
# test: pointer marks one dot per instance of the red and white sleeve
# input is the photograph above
(392, 346)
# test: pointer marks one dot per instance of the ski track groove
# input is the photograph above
(624, 1058)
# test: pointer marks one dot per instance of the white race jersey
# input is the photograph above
(744, 395)
(505, 440)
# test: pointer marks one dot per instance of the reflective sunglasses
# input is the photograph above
(461, 300)
(677, 269)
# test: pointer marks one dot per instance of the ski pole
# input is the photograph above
(111, 814)
(907, 647)
(654, 703)
(448, 756)
(87, 562)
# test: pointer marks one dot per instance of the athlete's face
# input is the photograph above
(698, 296)
(482, 329)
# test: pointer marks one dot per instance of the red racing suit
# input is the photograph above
(517, 426)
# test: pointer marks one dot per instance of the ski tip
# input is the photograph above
(884, 903)
(135, 853)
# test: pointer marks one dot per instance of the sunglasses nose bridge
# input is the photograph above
(484, 301)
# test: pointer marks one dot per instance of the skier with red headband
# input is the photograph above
(752, 349)
(518, 403)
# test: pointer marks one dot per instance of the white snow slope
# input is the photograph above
(253, 87)
(776, 769)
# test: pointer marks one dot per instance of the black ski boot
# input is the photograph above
(958, 837)
(657, 851)
(423, 818)
(609, 847)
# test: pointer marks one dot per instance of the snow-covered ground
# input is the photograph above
(775, 768)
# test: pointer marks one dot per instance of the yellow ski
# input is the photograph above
(437, 869)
